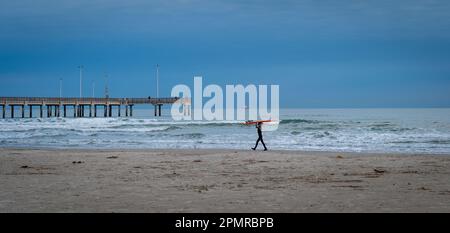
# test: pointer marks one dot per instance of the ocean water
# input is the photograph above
(351, 130)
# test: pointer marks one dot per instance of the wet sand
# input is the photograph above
(62, 180)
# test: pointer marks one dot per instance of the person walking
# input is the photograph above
(260, 137)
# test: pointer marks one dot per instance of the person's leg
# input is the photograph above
(262, 141)
(257, 142)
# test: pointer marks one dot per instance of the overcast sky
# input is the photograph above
(321, 53)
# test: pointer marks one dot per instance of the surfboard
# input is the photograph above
(256, 122)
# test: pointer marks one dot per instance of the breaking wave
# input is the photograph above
(328, 130)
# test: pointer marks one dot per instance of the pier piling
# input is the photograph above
(158, 109)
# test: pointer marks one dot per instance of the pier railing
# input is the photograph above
(86, 101)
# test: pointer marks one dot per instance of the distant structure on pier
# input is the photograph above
(54, 105)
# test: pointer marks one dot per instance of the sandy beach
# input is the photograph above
(66, 180)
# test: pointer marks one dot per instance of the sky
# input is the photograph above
(322, 54)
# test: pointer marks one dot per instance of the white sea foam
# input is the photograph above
(375, 130)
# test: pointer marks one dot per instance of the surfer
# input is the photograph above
(260, 137)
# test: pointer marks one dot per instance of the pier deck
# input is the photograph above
(55, 104)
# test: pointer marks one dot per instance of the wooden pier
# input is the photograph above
(55, 105)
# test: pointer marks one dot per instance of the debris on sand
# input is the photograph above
(197, 161)
(201, 188)
(112, 157)
(24, 166)
(339, 157)
(77, 162)
(379, 170)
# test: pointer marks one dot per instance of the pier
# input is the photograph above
(57, 107)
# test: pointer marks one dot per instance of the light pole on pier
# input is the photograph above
(106, 86)
(60, 88)
(81, 80)
(93, 89)
(157, 80)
